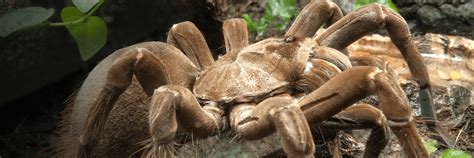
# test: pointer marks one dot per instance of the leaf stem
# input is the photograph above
(80, 20)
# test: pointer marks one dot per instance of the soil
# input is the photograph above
(27, 131)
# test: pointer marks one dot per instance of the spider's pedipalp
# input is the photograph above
(280, 114)
(174, 106)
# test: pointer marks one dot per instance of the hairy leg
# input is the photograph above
(364, 21)
(187, 37)
(236, 38)
(357, 83)
(362, 116)
(365, 60)
(278, 113)
(173, 107)
(313, 16)
(152, 63)
(235, 34)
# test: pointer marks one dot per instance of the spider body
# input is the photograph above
(281, 84)
(266, 68)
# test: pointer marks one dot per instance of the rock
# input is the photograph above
(429, 15)
(449, 17)
(345, 5)
(459, 98)
(464, 11)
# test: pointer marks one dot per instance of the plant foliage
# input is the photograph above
(85, 5)
(455, 153)
(277, 14)
(430, 146)
(388, 3)
(90, 35)
(89, 32)
(23, 18)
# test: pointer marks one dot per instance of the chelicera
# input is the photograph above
(281, 84)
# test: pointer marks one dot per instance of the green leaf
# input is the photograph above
(430, 146)
(85, 5)
(90, 36)
(261, 27)
(267, 16)
(282, 8)
(23, 18)
(392, 6)
(455, 153)
(249, 21)
(282, 26)
(69, 14)
(360, 3)
(277, 14)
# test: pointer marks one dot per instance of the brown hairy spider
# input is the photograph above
(278, 85)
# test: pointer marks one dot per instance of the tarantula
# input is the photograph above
(278, 85)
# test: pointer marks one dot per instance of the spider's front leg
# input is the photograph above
(154, 65)
(173, 107)
(279, 113)
(357, 83)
